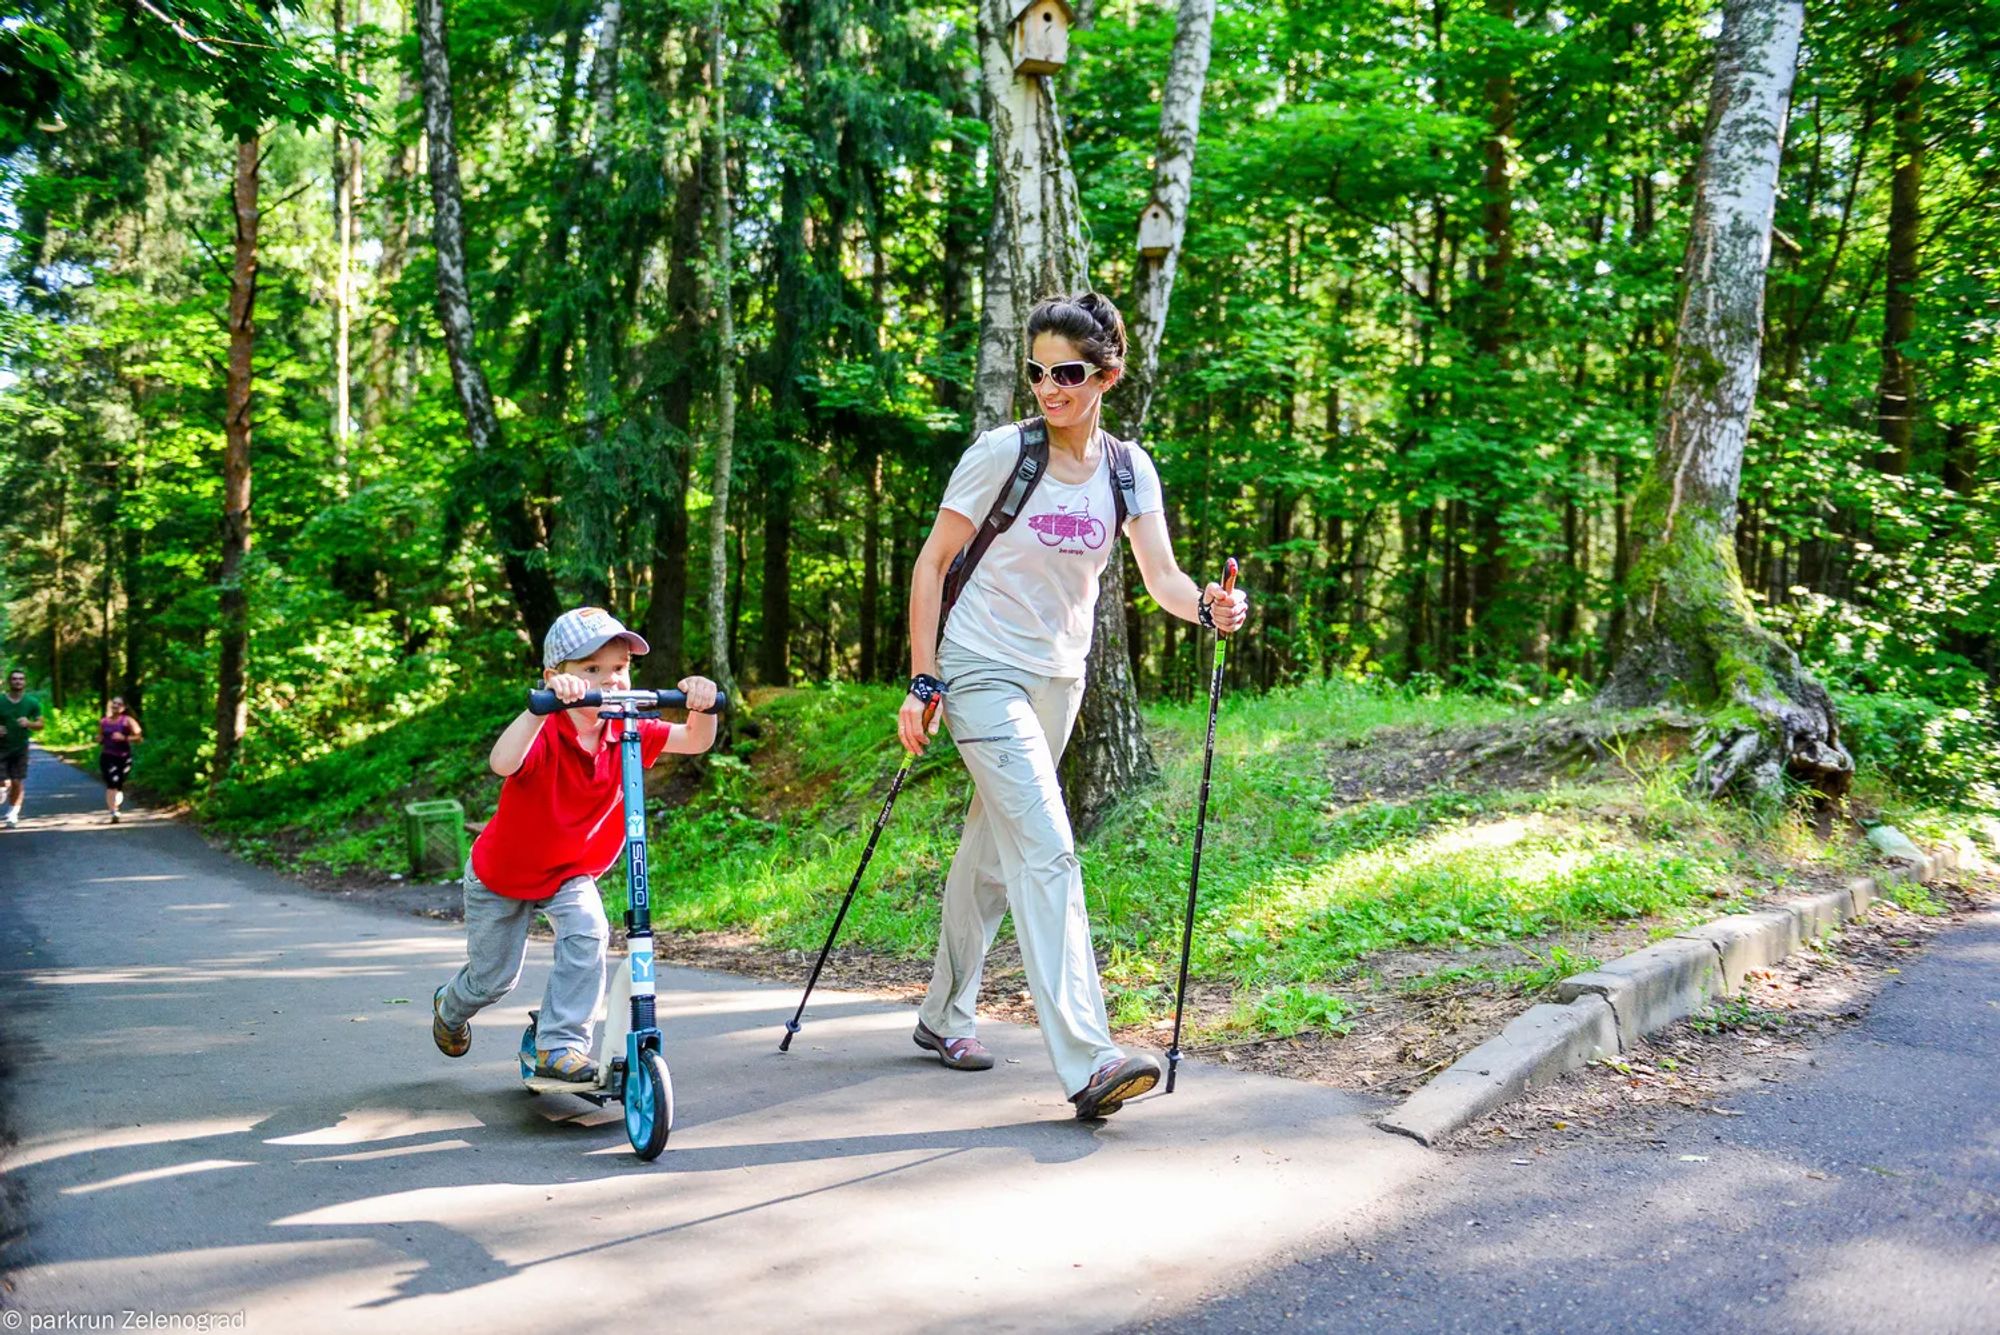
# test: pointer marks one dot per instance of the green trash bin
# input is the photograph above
(436, 832)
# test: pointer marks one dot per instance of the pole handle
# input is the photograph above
(1228, 587)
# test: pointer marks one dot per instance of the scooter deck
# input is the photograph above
(541, 1084)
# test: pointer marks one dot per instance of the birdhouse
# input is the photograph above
(1156, 231)
(1041, 36)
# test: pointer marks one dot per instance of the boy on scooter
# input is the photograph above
(560, 826)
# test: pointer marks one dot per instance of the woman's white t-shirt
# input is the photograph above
(1031, 597)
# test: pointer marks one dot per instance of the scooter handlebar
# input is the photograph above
(544, 702)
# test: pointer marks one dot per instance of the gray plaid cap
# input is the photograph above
(582, 631)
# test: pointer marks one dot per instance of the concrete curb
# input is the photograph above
(1606, 1011)
(1534, 1049)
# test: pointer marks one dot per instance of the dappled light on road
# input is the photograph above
(367, 1124)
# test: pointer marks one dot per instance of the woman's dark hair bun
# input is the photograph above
(1088, 319)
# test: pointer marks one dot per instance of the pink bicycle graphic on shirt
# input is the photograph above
(1057, 528)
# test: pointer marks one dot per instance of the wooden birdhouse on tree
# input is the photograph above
(1156, 231)
(1041, 36)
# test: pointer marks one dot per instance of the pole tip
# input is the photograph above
(785, 1043)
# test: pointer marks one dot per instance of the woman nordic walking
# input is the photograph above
(1008, 678)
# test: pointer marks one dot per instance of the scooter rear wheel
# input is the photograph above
(649, 1106)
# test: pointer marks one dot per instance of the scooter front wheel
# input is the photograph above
(649, 1106)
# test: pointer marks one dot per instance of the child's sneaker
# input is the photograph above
(452, 1041)
(566, 1064)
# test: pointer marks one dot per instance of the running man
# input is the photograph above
(20, 717)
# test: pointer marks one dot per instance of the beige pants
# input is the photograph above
(1010, 726)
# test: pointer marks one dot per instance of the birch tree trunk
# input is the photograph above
(1035, 245)
(1035, 249)
(725, 365)
(514, 525)
(1109, 755)
(232, 620)
(1173, 186)
(1691, 631)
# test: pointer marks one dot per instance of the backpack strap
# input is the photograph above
(1124, 480)
(1029, 465)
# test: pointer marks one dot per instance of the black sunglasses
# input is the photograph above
(1067, 374)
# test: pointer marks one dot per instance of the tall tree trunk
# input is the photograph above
(1895, 411)
(59, 596)
(1110, 755)
(386, 382)
(598, 314)
(1173, 188)
(346, 185)
(1035, 245)
(1692, 631)
(871, 571)
(719, 619)
(515, 526)
(232, 622)
(1492, 333)
(1961, 458)
(107, 587)
(545, 346)
(131, 556)
(667, 614)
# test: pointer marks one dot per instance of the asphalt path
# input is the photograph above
(1861, 1196)
(224, 1100)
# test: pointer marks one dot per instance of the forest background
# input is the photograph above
(1411, 370)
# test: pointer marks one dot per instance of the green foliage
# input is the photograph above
(1915, 897)
(1737, 1015)
(1429, 463)
(1942, 753)
(1293, 1009)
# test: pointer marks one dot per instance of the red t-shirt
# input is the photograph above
(562, 814)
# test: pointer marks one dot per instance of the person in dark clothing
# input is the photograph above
(116, 732)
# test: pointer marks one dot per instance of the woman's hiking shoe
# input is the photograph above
(452, 1041)
(960, 1054)
(1113, 1083)
(567, 1064)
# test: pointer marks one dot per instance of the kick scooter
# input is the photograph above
(631, 1067)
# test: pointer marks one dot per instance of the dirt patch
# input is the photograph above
(1408, 1022)
(1399, 763)
(1761, 1037)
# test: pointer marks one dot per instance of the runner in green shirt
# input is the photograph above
(20, 715)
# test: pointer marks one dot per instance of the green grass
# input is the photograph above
(1737, 1015)
(1298, 891)
(1522, 980)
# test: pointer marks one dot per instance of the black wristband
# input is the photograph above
(1204, 611)
(926, 687)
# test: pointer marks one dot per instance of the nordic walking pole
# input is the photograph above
(1200, 822)
(792, 1025)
